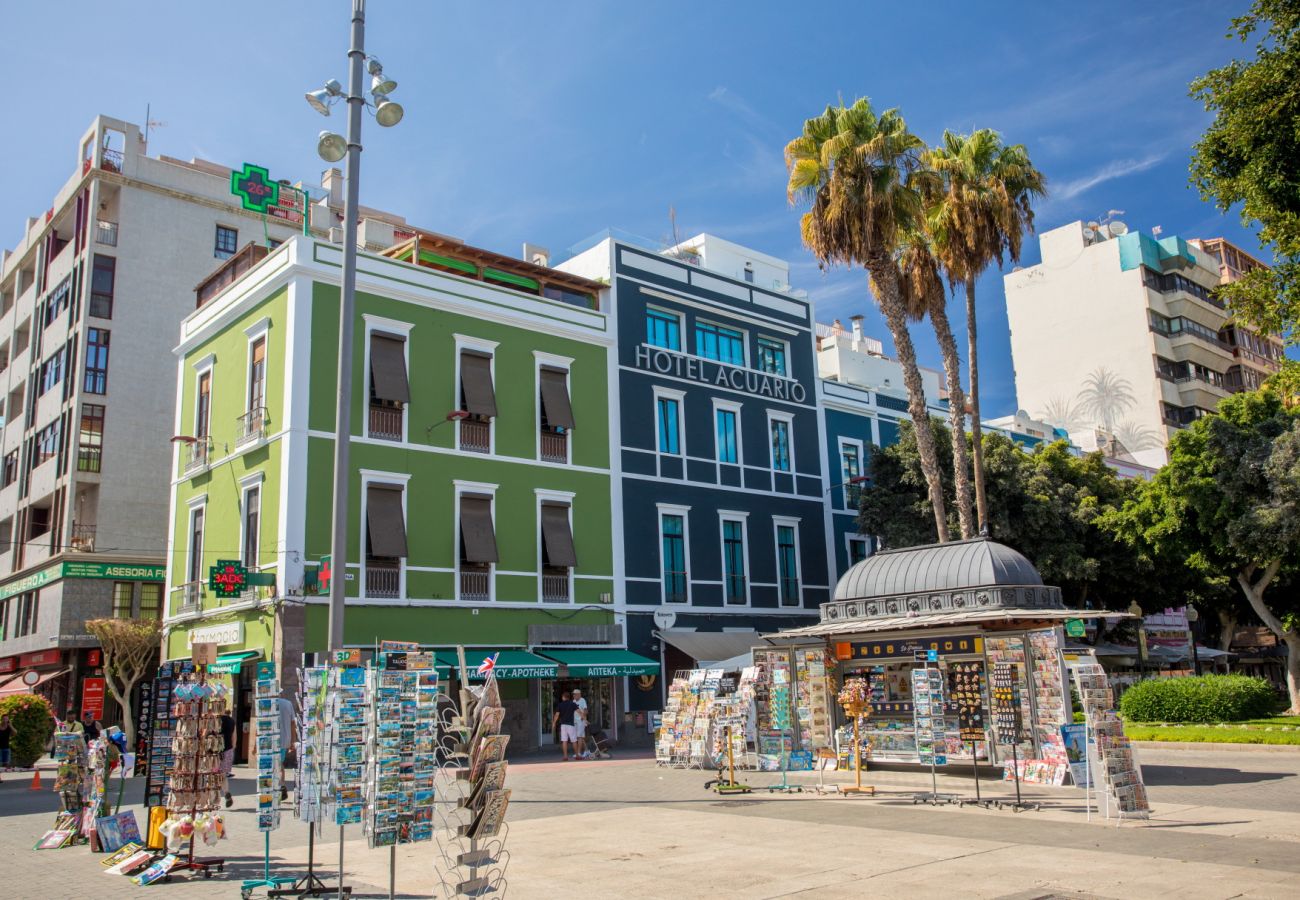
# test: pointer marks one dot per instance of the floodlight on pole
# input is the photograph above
(381, 85)
(331, 147)
(321, 99)
(388, 112)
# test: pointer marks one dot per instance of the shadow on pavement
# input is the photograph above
(1203, 776)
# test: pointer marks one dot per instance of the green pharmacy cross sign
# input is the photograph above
(228, 578)
(255, 188)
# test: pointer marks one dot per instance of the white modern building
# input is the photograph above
(1117, 338)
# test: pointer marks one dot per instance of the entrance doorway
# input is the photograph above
(599, 694)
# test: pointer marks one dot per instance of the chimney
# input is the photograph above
(332, 181)
(857, 331)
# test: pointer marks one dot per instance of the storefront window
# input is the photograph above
(123, 593)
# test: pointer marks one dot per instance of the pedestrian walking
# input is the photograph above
(90, 726)
(70, 724)
(565, 711)
(288, 735)
(7, 733)
(580, 724)
(228, 752)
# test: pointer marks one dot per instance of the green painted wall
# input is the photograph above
(438, 626)
(259, 634)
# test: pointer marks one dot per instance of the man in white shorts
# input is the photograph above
(580, 724)
(565, 712)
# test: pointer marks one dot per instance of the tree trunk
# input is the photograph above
(123, 698)
(1227, 628)
(976, 432)
(885, 274)
(956, 417)
(1254, 591)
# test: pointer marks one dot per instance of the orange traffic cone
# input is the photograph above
(36, 780)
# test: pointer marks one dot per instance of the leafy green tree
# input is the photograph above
(858, 172)
(33, 724)
(130, 649)
(1228, 503)
(1250, 155)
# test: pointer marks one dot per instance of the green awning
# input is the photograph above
(510, 664)
(603, 663)
(229, 663)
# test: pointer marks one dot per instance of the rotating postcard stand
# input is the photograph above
(1008, 720)
(855, 698)
(197, 783)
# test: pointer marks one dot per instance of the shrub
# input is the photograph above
(33, 724)
(1205, 698)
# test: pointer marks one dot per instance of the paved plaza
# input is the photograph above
(1226, 824)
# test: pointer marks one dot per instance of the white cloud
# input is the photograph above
(1120, 168)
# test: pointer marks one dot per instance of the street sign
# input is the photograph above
(254, 188)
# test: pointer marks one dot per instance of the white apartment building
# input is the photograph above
(91, 302)
(1117, 337)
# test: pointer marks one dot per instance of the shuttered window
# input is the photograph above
(477, 395)
(477, 536)
(385, 524)
(388, 369)
(555, 398)
(557, 536)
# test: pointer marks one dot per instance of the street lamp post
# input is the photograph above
(332, 148)
(1192, 617)
(1136, 609)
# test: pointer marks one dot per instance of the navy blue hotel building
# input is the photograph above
(722, 481)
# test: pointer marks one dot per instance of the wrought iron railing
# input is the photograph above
(191, 594)
(475, 581)
(251, 426)
(385, 422)
(555, 446)
(106, 233)
(555, 586)
(475, 435)
(383, 578)
(197, 453)
(83, 538)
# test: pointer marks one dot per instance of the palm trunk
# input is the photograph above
(976, 433)
(885, 274)
(956, 416)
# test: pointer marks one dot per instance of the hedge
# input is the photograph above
(1204, 698)
(33, 724)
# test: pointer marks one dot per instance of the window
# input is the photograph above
(727, 449)
(96, 381)
(673, 541)
(478, 398)
(780, 444)
(252, 521)
(123, 599)
(558, 554)
(662, 329)
(733, 562)
(723, 344)
(389, 389)
(195, 572)
(556, 413)
(203, 405)
(103, 275)
(749, 272)
(57, 302)
(851, 468)
(771, 356)
(478, 548)
(51, 373)
(150, 601)
(667, 414)
(787, 565)
(91, 439)
(857, 550)
(4, 619)
(227, 242)
(47, 443)
(257, 375)
(10, 475)
(29, 613)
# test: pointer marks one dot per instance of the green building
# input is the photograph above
(481, 510)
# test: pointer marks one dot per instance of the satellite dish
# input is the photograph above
(1089, 235)
(1116, 228)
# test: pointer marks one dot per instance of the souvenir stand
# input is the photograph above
(702, 704)
(1113, 768)
(270, 756)
(855, 698)
(72, 782)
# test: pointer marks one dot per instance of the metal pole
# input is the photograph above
(347, 311)
(975, 767)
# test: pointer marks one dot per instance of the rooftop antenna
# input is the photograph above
(149, 124)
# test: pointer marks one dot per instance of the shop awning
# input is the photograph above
(476, 384)
(706, 647)
(230, 663)
(16, 686)
(603, 663)
(514, 664)
(388, 369)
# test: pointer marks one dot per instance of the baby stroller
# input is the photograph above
(597, 745)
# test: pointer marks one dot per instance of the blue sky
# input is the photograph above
(546, 122)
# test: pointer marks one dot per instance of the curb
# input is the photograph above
(1207, 745)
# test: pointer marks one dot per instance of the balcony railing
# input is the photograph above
(251, 426)
(1264, 362)
(555, 446)
(385, 422)
(83, 538)
(555, 586)
(111, 160)
(106, 233)
(196, 454)
(475, 582)
(383, 578)
(191, 593)
(475, 435)
(89, 458)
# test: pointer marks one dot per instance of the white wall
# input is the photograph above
(839, 361)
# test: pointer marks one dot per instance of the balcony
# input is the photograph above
(383, 578)
(89, 458)
(229, 272)
(106, 233)
(196, 454)
(555, 446)
(476, 435)
(555, 586)
(110, 160)
(385, 422)
(250, 428)
(475, 582)
(190, 596)
(1256, 359)
(83, 538)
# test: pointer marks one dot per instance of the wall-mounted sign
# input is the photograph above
(324, 575)
(665, 618)
(92, 696)
(41, 658)
(254, 188)
(918, 649)
(222, 635)
(1075, 627)
(77, 569)
(228, 578)
(708, 371)
(8, 664)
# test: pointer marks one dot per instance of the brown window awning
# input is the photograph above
(384, 522)
(557, 537)
(478, 539)
(476, 384)
(388, 369)
(555, 398)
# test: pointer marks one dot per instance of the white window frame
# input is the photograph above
(247, 484)
(779, 522)
(394, 327)
(546, 496)
(731, 406)
(788, 419)
(197, 505)
(205, 366)
(731, 515)
(744, 342)
(775, 340)
(550, 361)
(681, 328)
(476, 345)
(259, 329)
(679, 396)
(670, 509)
(475, 487)
(392, 479)
(862, 461)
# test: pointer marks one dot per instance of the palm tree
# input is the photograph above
(924, 294)
(981, 214)
(856, 170)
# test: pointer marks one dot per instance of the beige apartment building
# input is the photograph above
(1117, 336)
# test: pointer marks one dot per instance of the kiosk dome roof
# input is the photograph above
(936, 567)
